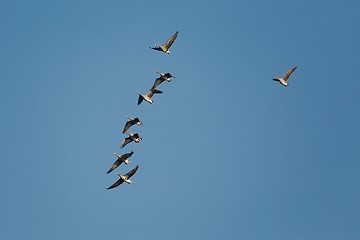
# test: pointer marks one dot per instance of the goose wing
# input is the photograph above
(168, 75)
(135, 136)
(140, 99)
(171, 40)
(128, 125)
(136, 120)
(125, 142)
(131, 172)
(115, 165)
(127, 155)
(157, 82)
(157, 48)
(288, 73)
(117, 183)
(150, 93)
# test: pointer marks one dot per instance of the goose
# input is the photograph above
(124, 178)
(132, 137)
(283, 80)
(162, 78)
(120, 159)
(148, 96)
(132, 121)
(165, 48)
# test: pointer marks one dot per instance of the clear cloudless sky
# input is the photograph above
(227, 153)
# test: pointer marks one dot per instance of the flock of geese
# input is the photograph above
(135, 137)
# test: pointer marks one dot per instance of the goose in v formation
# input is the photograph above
(124, 178)
(132, 137)
(132, 121)
(165, 48)
(120, 159)
(283, 80)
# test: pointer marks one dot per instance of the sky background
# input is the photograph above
(227, 153)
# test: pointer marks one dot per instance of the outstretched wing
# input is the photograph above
(168, 75)
(115, 165)
(136, 120)
(132, 172)
(125, 142)
(171, 40)
(135, 136)
(140, 99)
(127, 155)
(288, 73)
(150, 93)
(117, 183)
(128, 125)
(157, 82)
(157, 48)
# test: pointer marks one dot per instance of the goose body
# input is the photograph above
(120, 159)
(133, 137)
(132, 121)
(165, 48)
(124, 178)
(283, 80)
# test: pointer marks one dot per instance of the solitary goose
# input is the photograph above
(283, 80)
(132, 121)
(124, 178)
(120, 159)
(148, 96)
(132, 137)
(162, 78)
(165, 48)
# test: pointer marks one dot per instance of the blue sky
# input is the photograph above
(227, 153)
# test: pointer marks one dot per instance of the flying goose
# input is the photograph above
(120, 159)
(132, 137)
(162, 78)
(124, 178)
(165, 48)
(132, 121)
(148, 96)
(283, 80)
